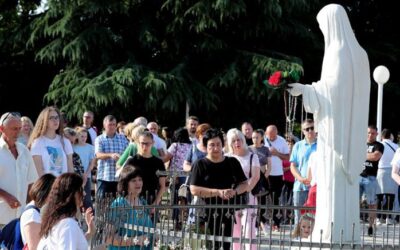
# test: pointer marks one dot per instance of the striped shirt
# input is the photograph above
(104, 144)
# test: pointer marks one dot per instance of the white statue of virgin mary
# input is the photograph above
(340, 104)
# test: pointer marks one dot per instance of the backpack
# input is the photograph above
(10, 235)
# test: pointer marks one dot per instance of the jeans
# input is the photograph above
(299, 198)
(368, 187)
(87, 199)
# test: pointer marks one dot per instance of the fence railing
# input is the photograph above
(155, 227)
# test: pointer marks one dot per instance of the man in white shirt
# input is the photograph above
(280, 151)
(88, 117)
(17, 169)
(159, 143)
(191, 125)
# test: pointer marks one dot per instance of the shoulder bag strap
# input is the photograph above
(251, 161)
(390, 146)
(269, 142)
(32, 206)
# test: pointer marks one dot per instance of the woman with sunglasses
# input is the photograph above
(60, 228)
(51, 151)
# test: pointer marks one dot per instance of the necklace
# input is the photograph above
(290, 112)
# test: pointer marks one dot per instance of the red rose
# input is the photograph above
(275, 79)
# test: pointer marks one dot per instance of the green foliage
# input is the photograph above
(160, 56)
(157, 56)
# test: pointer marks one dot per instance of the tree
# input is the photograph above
(153, 57)
(21, 79)
(157, 56)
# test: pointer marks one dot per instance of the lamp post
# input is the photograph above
(381, 76)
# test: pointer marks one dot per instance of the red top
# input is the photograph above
(287, 174)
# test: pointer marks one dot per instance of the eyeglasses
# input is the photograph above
(8, 114)
(145, 144)
(309, 129)
(54, 118)
(214, 145)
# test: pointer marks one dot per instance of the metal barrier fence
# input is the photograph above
(121, 225)
(154, 227)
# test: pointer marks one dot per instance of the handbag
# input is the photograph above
(183, 190)
(262, 186)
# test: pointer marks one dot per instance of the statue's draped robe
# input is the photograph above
(340, 103)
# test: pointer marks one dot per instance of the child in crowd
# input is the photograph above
(305, 227)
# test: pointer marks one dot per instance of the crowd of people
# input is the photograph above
(47, 170)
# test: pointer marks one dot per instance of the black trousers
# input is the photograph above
(276, 184)
(215, 225)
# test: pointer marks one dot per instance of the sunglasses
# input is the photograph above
(9, 114)
(309, 129)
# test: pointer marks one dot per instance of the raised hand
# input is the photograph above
(295, 89)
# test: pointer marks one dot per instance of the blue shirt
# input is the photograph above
(86, 153)
(300, 154)
(104, 144)
(194, 154)
(122, 212)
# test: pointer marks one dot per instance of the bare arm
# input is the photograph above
(213, 192)
(37, 159)
(167, 157)
(275, 152)
(255, 176)
(10, 199)
(89, 218)
(395, 174)
(70, 164)
(241, 188)
(297, 175)
(31, 231)
(162, 188)
(187, 166)
(105, 156)
(268, 167)
(374, 156)
(161, 153)
(92, 164)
